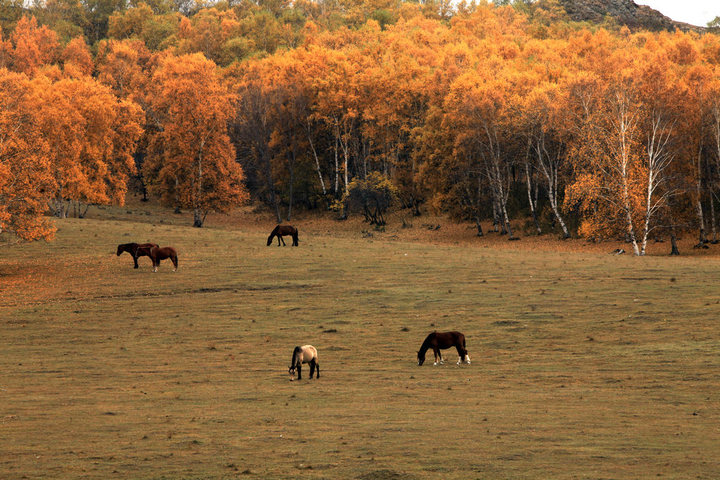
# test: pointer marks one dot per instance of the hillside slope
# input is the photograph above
(625, 12)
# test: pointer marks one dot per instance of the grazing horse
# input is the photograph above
(281, 230)
(443, 340)
(304, 354)
(136, 250)
(161, 253)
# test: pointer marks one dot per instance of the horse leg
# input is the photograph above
(135, 260)
(317, 369)
(282, 240)
(312, 368)
(295, 240)
(437, 354)
(462, 353)
(299, 370)
(175, 262)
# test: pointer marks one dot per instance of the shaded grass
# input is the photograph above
(584, 365)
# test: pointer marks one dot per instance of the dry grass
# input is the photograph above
(585, 365)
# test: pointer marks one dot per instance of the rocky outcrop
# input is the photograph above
(624, 12)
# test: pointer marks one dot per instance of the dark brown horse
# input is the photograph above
(440, 341)
(281, 230)
(160, 253)
(136, 250)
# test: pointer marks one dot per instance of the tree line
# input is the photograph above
(481, 111)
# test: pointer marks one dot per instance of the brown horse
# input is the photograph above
(136, 250)
(440, 341)
(304, 354)
(160, 253)
(281, 230)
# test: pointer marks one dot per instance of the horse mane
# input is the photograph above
(429, 337)
(426, 343)
(126, 247)
(296, 352)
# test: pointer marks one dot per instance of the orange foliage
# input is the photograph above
(77, 58)
(124, 65)
(192, 162)
(25, 179)
(34, 46)
(459, 109)
(91, 136)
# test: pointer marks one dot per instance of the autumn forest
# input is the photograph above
(484, 113)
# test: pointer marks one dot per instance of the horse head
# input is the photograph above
(120, 249)
(421, 358)
(270, 239)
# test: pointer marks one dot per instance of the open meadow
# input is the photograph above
(584, 365)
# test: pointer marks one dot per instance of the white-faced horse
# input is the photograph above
(304, 354)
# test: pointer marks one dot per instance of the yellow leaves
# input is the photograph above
(82, 119)
(186, 29)
(77, 58)
(24, 167)
(140, 22)
(123, 66)
(33, 46)
(682, 50)
(191, 162)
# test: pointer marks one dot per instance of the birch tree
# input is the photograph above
(192, 161)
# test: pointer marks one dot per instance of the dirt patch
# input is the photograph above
(506, 323)
(385, 475)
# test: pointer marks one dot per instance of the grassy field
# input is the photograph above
(584, 365)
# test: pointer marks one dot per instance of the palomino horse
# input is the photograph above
(304, 354)
(134, 249)
(160, 253)
(440, 341)
(281, 230)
